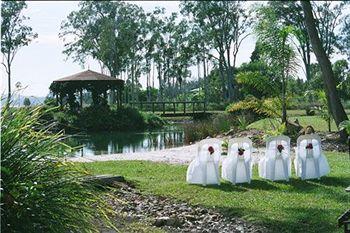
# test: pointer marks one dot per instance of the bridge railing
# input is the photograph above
(174, 107)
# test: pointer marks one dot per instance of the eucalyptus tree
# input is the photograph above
(105, 31)
(276, 50)
(168, 47)
(225, 23)
(156, 44)
(199, 47)
(334, 102)
(14, 34)
(328, 17)
(109, 32)
(344, 36)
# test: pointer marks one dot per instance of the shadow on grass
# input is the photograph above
(333, 181)
(244, 187)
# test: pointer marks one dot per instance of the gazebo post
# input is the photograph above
(81, 97)
(57, 102)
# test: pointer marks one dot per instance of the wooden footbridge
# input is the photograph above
(172, 108)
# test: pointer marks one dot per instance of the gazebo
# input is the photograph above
(71, 88)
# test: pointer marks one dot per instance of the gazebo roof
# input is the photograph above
(88, 75)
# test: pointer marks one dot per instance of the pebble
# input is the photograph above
(172, 216)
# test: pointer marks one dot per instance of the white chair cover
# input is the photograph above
(275, 165)
(310, 163)
(238, 168)
(204, 169)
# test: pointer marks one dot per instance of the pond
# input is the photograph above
(127, 142)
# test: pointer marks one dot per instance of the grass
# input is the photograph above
(295, 206)
(315, 121)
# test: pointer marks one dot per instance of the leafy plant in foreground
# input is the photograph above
(40, 192)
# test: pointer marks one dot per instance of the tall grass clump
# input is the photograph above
(40, 191)
(211, 127)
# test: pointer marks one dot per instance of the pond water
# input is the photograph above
(127, 142)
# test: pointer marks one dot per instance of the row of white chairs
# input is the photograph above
(309, 161)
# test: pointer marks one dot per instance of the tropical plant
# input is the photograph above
(276, 129)
(269, 107)
(242, 122)
(40, 191)
(277, 50)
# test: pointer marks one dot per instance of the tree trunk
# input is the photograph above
(9, 80)
(229, 76)
(284, 86)
(205, 81)
(308, 62)
(221, 72)
(333, 99)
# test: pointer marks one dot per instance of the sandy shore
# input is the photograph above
(178, 155)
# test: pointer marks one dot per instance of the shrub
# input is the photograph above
(153, 121)
(213, 126)
(345, 125)
(41, 192)
(103, 118)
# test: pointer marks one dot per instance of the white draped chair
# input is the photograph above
(204, 169)
(276, 165)
(237, 167)
(310, 162)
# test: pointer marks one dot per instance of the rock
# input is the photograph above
(171, 216)
(161, 221)
(190, 217)
(167, 221)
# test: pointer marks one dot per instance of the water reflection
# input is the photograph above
(118, 142)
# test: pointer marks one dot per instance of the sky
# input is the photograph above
(38, 64)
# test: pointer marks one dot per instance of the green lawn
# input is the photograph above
(295, 206)
(315, 121)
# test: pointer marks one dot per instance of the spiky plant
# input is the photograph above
(40, 191)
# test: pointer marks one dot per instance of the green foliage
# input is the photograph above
(104, 118)
(14, 34)
(221, 25)
(323, 107)
(41, 192)
(344, 36)
(153, 121)
(254, 83)
(345, 125)
(266, 107)
(276, 129)
(201, 129)
(26, 102)
(242, 122)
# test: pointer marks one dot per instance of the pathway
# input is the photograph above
(178, 155)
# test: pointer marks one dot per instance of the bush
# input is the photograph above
(103, 118)
(41, 192)
(217, 124)
(153, 121)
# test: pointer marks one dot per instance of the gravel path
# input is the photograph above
(173, 216)
(178, 155)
